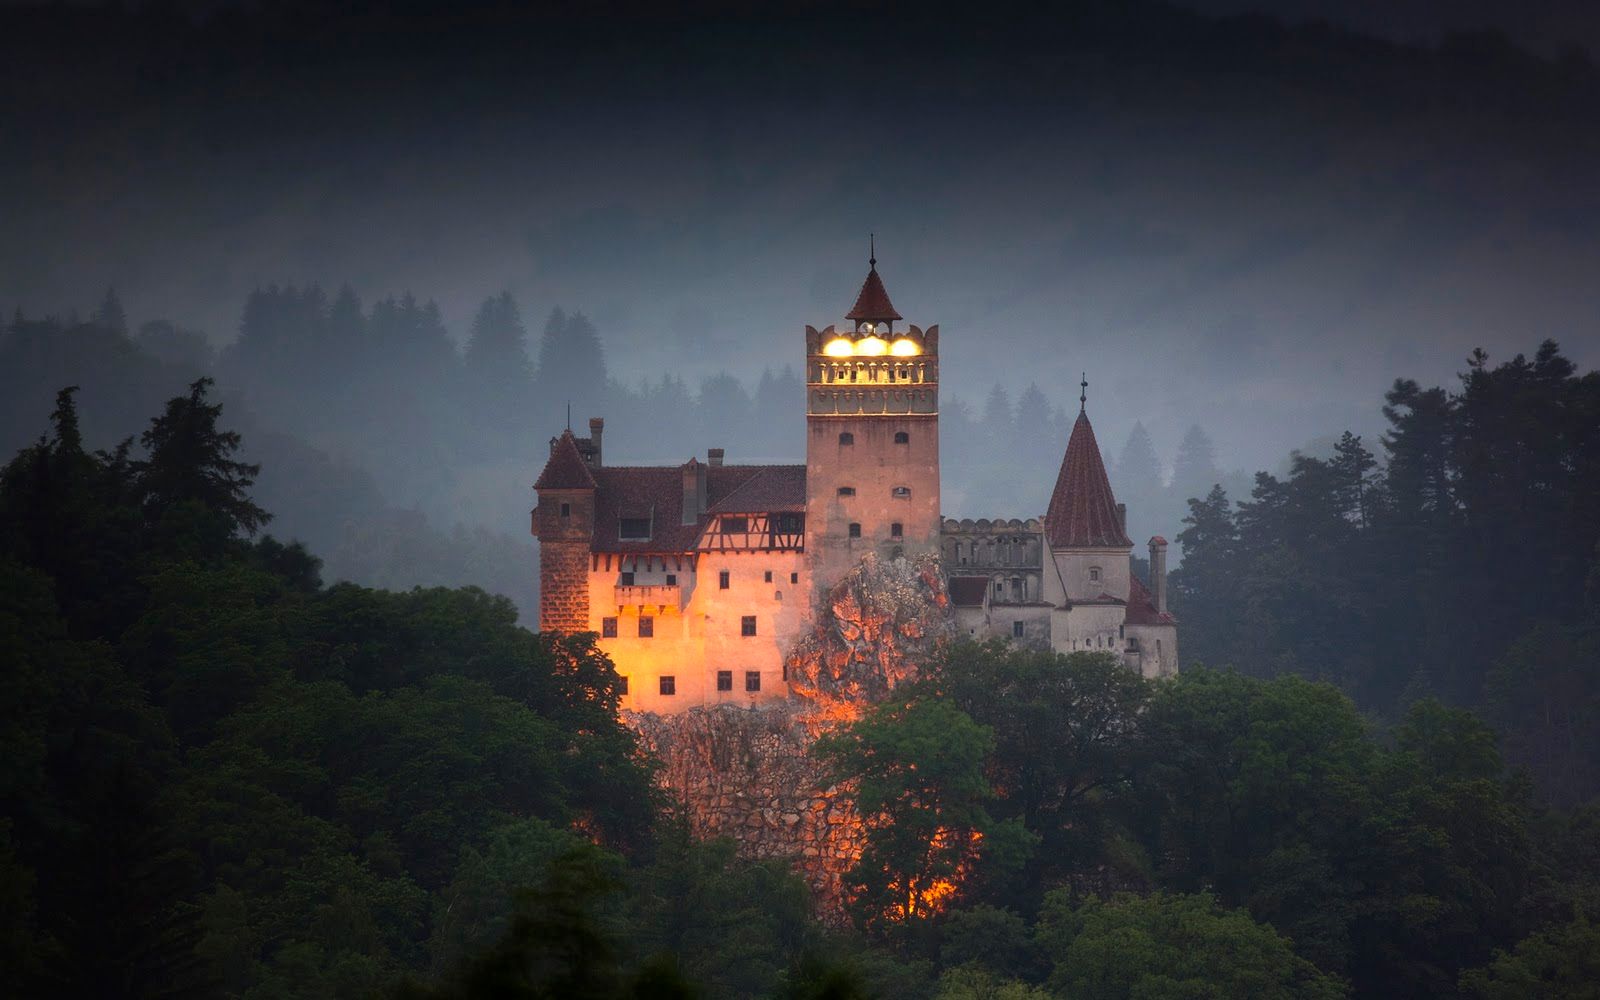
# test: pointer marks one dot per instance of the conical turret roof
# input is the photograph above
(566, 469)
(1083, 511)
(873, 303)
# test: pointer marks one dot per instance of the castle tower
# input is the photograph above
(564, 524)
(872, 437)
(1084, 527)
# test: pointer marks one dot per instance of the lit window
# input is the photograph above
(901, 437)
(1016, 630)
(896, 530)
(901, 492)
(724, 680)
(647, 627)
(855, 530)
(608, 628)
(847, 491)
(839, 348)
(747, 625)
(752, 680)
(669, 684)
(722, 580)
(845, 437)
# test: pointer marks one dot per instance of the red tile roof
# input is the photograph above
(656, 492)
(968, 591)
(566, 469)
(1141, 609)
(1083, 512)
(773, 488)
(873, 302)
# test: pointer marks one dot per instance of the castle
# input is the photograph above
(699, 578)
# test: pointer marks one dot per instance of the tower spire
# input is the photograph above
(1083, 394)
(872, 250)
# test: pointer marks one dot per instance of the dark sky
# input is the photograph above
(1224, 220)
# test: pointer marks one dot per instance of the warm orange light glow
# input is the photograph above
(839, 348)
(872, 347)
(905, 347)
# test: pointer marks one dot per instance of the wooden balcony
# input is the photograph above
(657, 595)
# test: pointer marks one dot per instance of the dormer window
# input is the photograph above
(845, 437)
(633, 528)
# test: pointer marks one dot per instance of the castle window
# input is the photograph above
(785, 669)
(999, 588)
(633, 528)
(624, 679)
(747, 625)
(1094, 574)
(722, 580)
(788, 524)
(845, 437)
(724, 680)
(794, 577)
(1122, 631)
(855, 529)
(608, 628)
(901, 437)
(672, 579)
(752, 680)
(847, 491)
(896, 530)
(767, 577)
(669, 684)
(901, 492)
(625, 579)
(735, 525)
(1016, 630)
(566, 510)
(647, 627)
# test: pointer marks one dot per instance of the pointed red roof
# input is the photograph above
(566, 469)
(1083, 512)
(873, 303)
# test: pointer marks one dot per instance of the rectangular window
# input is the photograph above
(785, 669)
(608, 628)
(847, 491)
(735, 525)
(724, 680)
(767, 577)
(566, 510)
(633, 527)
(669, 684)
(647, 626)
(896, 530)
(788, 524)
(625, 579)
(672, 579)
(747, 625)
(624, 679)
(752, 680)
(901, 493)
(722, 580)
(1016, 630)
(855, 530)
(794, 577)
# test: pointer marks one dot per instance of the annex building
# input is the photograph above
(699, 578)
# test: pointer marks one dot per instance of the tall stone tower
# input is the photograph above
(564, 525)
(872, 437)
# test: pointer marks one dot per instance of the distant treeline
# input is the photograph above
(1464, 565)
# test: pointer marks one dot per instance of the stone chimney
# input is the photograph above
(597, 427)
(1122, 518)
(714, 457)
(694, 491)
(1158, 573)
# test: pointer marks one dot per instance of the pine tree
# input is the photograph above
(190, 462)
(109, 315)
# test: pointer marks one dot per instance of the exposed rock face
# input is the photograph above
(749, 773)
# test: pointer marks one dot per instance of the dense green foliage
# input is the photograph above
(1463, 567)
(1346, 858)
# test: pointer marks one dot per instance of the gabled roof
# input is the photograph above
(1083, 511)
(1142, 609)
(873, 301)
(656, 492)
(566, 469)
(968, 591)
(773, 489)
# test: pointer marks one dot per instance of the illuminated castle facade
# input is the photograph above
(699, 578)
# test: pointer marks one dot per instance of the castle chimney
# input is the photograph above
(714, 457)
(1122, 518)
(1158, 573)
(597, 427)
(694, 491)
